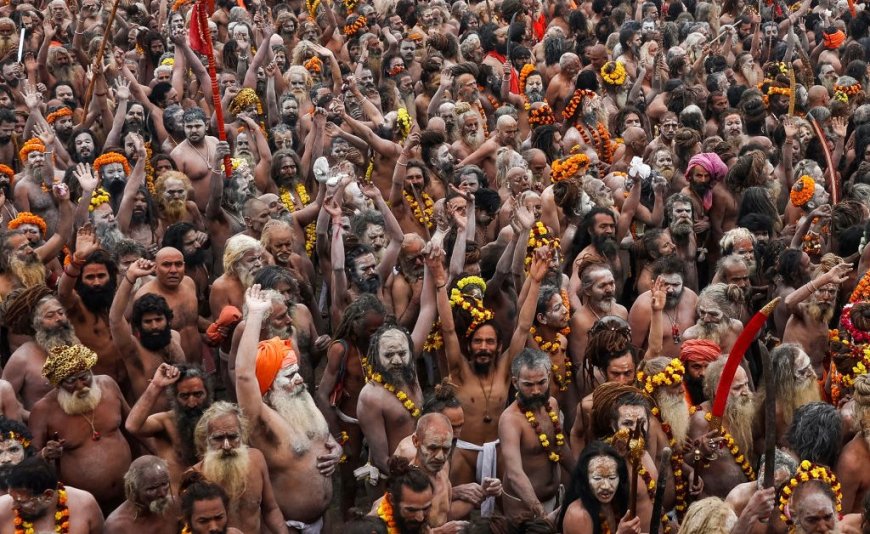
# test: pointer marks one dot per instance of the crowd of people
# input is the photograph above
(394, 266)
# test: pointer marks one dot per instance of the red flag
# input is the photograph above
(197, 40)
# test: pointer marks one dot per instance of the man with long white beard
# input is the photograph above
(221, 437)
(243, 257)
(79, 422)
(470, 126)
(150, 506)
(732, 128)
(49, 327)
(851, 465)
(718, 305)
(721, 470)
(506, 135)
(33, 188)
(794, 384)
(286, 424)
(681, 228)
(811, 308)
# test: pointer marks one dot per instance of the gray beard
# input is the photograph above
(306, 422)
(49, 339)
(712, 331)
(109, 236)
(535, 96)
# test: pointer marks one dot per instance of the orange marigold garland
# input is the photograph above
(25, 217)
(567, 168)
(527, 69)
(149, 170)
(34, 144)
(862, 290)
(386, 514)
(850, 90)
(109, 158)
(351, 29)
(8, 171)
(802, 190)
(571, 108)
(542, 115)
(313, 65)
(61, 515)
(58, 114)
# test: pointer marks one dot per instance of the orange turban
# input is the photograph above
(834, 40)
(272, 356)
(700, 350)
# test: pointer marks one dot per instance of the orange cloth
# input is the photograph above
(272, 356)
(834, 40)
(699, 350)
(229, 317)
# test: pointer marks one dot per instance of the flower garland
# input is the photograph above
(802, 190)
(680, 482)
(862, 289)
(9, 172)
(34, 144)
(350, 5)
(403, 397)
(613, 73)
(403, 121)
(471, 281)
(601, 142)
(542, 115)
(567, 168)
(16, 437)
(351, 29)
(605, 526)
(423, 215)
(559, 437)
(574, 103)
(650, 484)
(850, 90)
(809, 471)
(246, 97)
(100, 197)
(61, 515)
(812, 240)
(149, 170)
(186, 529)
(58, 114)
(287, 200)
(493, 101)
(671, 375)
(857, 336)
(313, 65)
(539, 236)
(396, 70)
(25, 217)
(553, 347)
(343, 437)
(734, 449)
(108, 159)
(385, 513)
(435, 339)
(483, 121)
(479, 313)
(311, 6)
(527, 69)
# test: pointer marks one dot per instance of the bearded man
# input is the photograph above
(61, 120)
(193, 244)
(408, 499)
(195, 154)
(856, 453)
(113, 170)
(33, 189)
(703, 171)
(696, 355)
(221, 437)
(681, 228)
(506, 135)
(61, 68)
(80, 422)
(172, 432)
(679, 310)
(598, 297)
(435, 152)
(287, 426)
(173, 205)
(150, 341)
(150, 506)
(82, 146)
(718, 305)
(731, 129)
(794, 385)
(596, 241)
(665, 140)
(243, 257)
(35, 312)
(406, 285)
(724, 472)
(86, 290)
(22, 264)
(811, 308)
(470, 134)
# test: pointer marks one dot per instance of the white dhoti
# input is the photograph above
(487, 460)
(306, 528)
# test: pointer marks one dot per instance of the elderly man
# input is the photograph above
(150, 506)
(171, 432)
(222, 441)
(681, 228)
(696, 355)
(718, 305)
(506, 135)
(598, 297)
(80, 421)
(286, 424)
(38, 502)
(794, 384)
(243, 257)
(33, 186)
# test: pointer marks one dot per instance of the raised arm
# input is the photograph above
(537, 271)
(427, 313)
(122, 333)
(54, 245)
(339, 278)
(134, 182)
(86, 244)
(216, 184)
(382, 146)
(391, 228)
(247, 387)
(657, 303)
(456, 363)
(140, 422)
(836, 275)
(397, 200)
(122, 95)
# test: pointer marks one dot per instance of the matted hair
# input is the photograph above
(236, 247)
(218, 409)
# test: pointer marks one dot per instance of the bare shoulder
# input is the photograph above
(107, 383)
(82, 500)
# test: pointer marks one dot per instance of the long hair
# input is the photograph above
(583, 236)
(353, 316)
(579, 488)
(756, 200)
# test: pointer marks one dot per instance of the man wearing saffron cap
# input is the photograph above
(696, 355)
(703, 172)
(285, 423)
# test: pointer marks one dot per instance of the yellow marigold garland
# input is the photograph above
(100, 197)
(680, 482)
(149, 170)
(802, 190)
(61, 515)
(287, 200)
(539, 236)
(386, 514)
(734, 449)
(566, 168)
(479, 313)
(613, 73)
(559, 437)
(850, 90)
(809, 471)
(403, 121)
(423, 215)
(25, 217)
(109, 158)
(34, 144)
(471, 281)
(553, 347)
(403, 397)
(350, 5)
(245, 98)
(671, 375)
(311, 6)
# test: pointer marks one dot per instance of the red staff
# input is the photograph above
(200, 41)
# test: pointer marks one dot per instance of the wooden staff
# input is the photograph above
(661, 482)
(98, 60)
(635, 453)
(769, 419)
(832, 174)
(205, 35)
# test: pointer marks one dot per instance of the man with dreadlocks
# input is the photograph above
(195, 155)
(851, 465)
(171, 432)
(34, 187)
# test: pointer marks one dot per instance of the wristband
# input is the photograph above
(813, 285)
(71, 275)
(127, 278)
(77, 262)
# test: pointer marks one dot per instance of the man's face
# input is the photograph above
(174, 191)
(63, 126)
(290, 109)
(414, 179)
(733, 125)
(745, 249)
(621, 370)
(738, 274)
(709, 313)
(29, 506)
(113, 173)
(630, 417)
(191, 393)
(815, 513)
(603, 478)
(340, 148)
(11, 452)
(6, 130)
(135, 116)
(281, 245)
(507, 134)
(176, 23)
(535, 88)
(229, 80)
(603, 225)
(170, 269)
(826, 294)
(194, 130)
(225, 435)
(208, 517)
(719, 103)
(533, 387)
(53, 316)
(673, 284)
(283, 140)
(696, 370)
(555, 314)
(434, 448)
(287, 170)
(252, 260)
(394, 353)
(414, 508)
(407, 50)
(36, 159)
(681, 211)
(79, 383)
(95, 275)
(484, 347)
(153, 491)
(32, 232)
(84, 145)
(518, 180)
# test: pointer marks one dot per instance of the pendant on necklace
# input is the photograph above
(487, 418)
(96, 436)
(675, 333)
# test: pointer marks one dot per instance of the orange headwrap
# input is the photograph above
(834, 40)
(272, 356)
(31, 145)
(61, 112)
(700, 350)
(25, 217)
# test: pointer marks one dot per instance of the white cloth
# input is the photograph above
(370, 473)
(487, 460)
(346, 418)
(306, 528)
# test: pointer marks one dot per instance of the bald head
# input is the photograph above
(437, 124)
(167, 253)
(433, 422)
(817, 96)
(505, 121)
(145, 472)
(634, 134)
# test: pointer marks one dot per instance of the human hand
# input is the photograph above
(760, 505)
(492, 487)
(221, 151)
(326, 462)
(628, 525)
(446, 78)
(122, 89)
(411, 142)
(32, 97)
(540, 263)
(86, 242)
(838, 126)
(231, 92)
(434, 261)
(709, 443)
(332, 206)
(507, 69)
(48, 29)
(701, 226)
(839, 274)
(331, 130)
(53, 450)
(525, 217)
(471, 493)
(61, 191)
(165, 375)
(451, 527)
(658, 295)
(790, 127)
(322, 343)
(139, 145)
(370, 190)
(271, 69)
(45, 134)
(140, 268)
(257, 301)
(822, 212)
(319, 117)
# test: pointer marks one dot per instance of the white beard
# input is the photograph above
(302, 415)
(675, 412)
(73, 404)
(231, 472)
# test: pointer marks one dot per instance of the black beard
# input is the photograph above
(138, 218)
(535, 96)
(695, 387)
(185, 420)
(70, 103)
(115, 188)
(97, 300)
(290, 120)
(606, 245)
(155, 341)
(4, 140)
(405, 376)
(672, 299)
(366, 285)
(700, 189)
(532, 402)
(195, 259)
(403, 525)
(501, 48)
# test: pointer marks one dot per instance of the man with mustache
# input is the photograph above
(469, 135)
(679, 310)
(723, 472)
(179, 292)
(34, 312)
(794, 385)
(285, 422)
(435, 152)
(222, 441)
(681, 229)
(204, 505)
(33, 190)
(61, 120)
(79, 421)
(194, 155)
(406, 285)
(193, 244)
(173, 206)
(696, 355)
(718, 305)
(598, 298)
(731, 128)
(597, 241)
(532, 440)
(506, 135)
(149, 341)
(243, 257)
(81, 147)
(408, 500)
(856, 453)
(811, 307)
(150, 505)
(703, 172)
(667, 130)
(172, 431)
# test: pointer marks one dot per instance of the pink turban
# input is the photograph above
(700, 350)
(272, 356)
(712, 163)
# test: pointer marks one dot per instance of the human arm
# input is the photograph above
(629, 208)
(510, 437)
(142, 422)
(657, 304)
(382, 146)
(122, 95)
(526, 316)
(122, 333)
(216, 184)
(427, 309)
(391, 228)
(456, 362)
(63, 233)
(637, 88)
(457, 257)
(134, 182)
(49, 32)
(506, 95)
(339, 276)
(334, 68)
(758, 508)
(821, 213)
(269, 510)
(247, 386)
(837, 275)
(791, 130)
(438, 98)
(373, 426)
(260, 58)
(397, 199)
